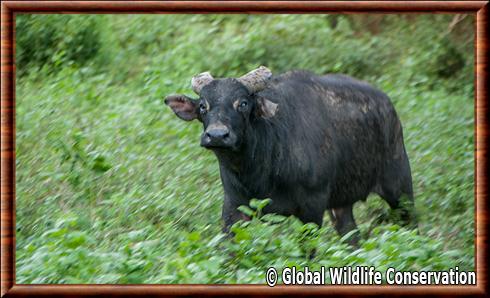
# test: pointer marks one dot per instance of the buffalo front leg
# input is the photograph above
(234, 198)
(231, 215)
(311, 215)
(343, 221)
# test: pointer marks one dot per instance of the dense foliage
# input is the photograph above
(113, 188)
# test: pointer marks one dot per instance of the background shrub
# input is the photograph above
(54, 40)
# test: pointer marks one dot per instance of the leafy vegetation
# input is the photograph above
(113, 188)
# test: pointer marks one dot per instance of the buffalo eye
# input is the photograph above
(202, 108)
(243, 105)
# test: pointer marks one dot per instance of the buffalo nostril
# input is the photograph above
(218, 133)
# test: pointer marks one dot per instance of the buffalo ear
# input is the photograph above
(184, 107)
(266, 108)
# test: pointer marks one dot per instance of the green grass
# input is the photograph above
(113, 188)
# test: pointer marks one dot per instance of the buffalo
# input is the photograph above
(308, 142)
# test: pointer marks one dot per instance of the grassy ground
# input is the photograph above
(113, 188)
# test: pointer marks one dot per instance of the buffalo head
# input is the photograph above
(225, 106)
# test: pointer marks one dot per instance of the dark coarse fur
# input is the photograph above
(332, 141)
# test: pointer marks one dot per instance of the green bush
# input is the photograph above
(55, 40)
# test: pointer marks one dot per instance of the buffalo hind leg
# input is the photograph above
(404, 208)
(395, 188)
(343, 221)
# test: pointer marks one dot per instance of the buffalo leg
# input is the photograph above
(311, 215)
(343, 221)
(314, 215)
(395, 188)
(231, 215)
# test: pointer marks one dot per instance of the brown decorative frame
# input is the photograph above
(8, 10)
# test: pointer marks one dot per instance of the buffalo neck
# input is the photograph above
(255, 162)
